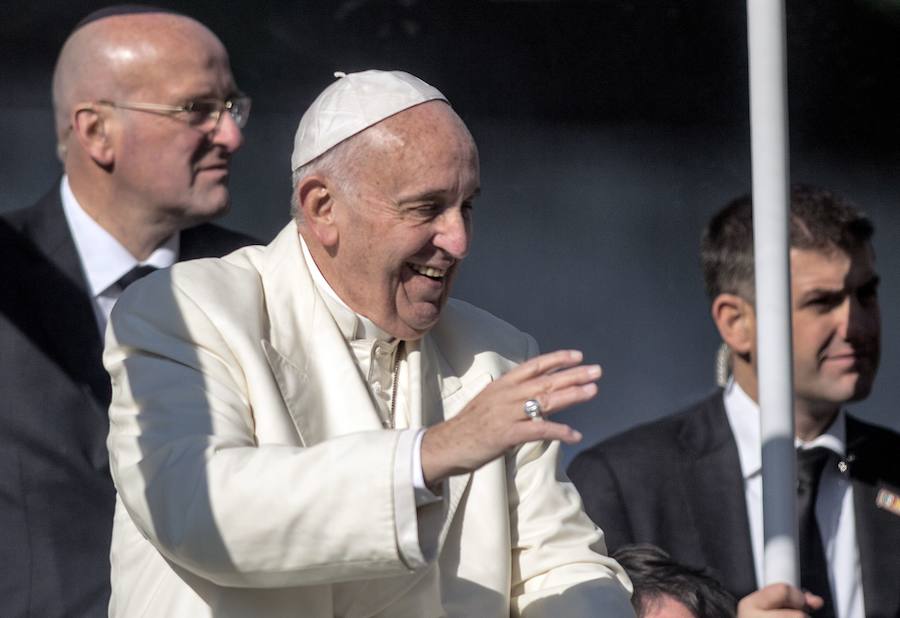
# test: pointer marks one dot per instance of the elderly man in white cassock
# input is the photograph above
(314, 428)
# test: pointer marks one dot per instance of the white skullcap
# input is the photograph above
(352, 104)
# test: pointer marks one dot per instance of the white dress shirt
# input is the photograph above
(103, 258)
(834, 503)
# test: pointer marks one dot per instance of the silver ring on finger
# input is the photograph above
(533, 410)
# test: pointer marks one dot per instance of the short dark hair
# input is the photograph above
(656, 575)
(819, 220)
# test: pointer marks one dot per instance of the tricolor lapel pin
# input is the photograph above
(888, 500)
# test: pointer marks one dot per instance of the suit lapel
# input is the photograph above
(57, 313)
(716, 496)
(877, 529)
(435, 395)
(312, 364)
(63, 321)
(445, 392)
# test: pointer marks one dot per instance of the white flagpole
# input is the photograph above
(768, 121)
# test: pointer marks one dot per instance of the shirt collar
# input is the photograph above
(103, 258)
(743, 416)
(352, 325)
(834, 438)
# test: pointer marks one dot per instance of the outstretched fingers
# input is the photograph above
(562, 389)
(559, 400)
(555, 381)
(503, 415)
(544, 364)
(547, 430)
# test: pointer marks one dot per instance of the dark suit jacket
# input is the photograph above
(56, 495)
(677, 483)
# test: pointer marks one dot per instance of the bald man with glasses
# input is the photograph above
(148, 117)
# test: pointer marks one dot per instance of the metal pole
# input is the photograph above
(768, 121)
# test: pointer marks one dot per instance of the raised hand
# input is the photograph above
(496, 421)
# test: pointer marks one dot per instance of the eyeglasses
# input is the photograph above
(202, 114)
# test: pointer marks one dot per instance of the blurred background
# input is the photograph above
(609, 131)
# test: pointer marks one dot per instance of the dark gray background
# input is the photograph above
(609, 132)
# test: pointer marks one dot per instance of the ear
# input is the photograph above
(736, 321)
(317, 205)
(91, 129)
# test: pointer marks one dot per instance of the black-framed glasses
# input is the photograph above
(202, 114)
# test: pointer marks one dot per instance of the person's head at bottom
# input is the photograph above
(664, 588)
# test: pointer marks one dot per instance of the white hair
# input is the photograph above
(339, 165)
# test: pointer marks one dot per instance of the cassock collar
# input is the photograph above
(352, 325)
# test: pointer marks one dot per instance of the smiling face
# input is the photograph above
(403, 220)
(162, 164)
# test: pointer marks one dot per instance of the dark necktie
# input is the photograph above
(133, 275)
(813, 566)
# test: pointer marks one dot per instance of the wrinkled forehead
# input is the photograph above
(430, 126)
(425, 150)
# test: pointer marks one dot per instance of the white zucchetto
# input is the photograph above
(353, 103)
